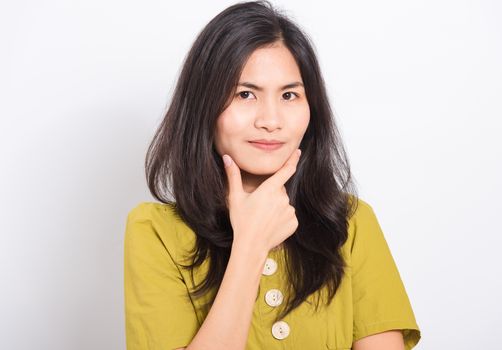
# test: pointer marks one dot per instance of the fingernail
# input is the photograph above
(227, 160)
(299, 151)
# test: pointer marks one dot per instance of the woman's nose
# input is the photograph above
(268, 116)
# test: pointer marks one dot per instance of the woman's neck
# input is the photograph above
(250, 182)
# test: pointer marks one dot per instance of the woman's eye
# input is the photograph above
(289, 94)
(244, 94)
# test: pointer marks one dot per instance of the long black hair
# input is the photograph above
(182, 161)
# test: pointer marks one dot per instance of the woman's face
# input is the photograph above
(268, 110)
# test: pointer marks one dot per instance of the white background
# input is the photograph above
(416, 87)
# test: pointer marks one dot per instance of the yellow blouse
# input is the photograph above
(160, 316)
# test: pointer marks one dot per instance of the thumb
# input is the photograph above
(233, 176)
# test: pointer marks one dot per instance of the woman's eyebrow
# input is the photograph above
(254, 86)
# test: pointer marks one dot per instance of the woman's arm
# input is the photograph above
(227, 323)
(273, 221)
(389, 340)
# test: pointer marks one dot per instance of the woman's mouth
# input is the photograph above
(267, 146)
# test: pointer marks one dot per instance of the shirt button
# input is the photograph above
(274, 297)
(280, 330)
(270, 267)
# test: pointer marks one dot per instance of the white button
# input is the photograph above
(270, 267)
(280, 330)
(274, 297)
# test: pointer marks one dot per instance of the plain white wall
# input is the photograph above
(416, 87)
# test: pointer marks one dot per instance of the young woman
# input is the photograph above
(261, 248)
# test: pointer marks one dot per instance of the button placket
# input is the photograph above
(273, 297)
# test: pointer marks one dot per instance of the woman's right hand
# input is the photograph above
(263, 218)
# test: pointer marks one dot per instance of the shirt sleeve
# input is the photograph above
(379, 296)
(158, 313)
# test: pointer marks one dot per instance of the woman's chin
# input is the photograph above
(261, 171)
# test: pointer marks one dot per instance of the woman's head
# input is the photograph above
(211, 114)
(270, 103)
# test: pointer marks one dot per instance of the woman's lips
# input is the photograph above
(266, 146)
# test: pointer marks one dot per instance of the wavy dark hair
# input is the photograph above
(182, 161)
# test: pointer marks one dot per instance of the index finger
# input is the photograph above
(285, 172)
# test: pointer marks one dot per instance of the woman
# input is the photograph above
(262, 248)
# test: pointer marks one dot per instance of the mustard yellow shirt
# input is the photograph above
(160, 316)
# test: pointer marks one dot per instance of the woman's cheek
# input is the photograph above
(302, 118)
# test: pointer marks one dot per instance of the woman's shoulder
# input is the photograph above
(363, 224)
(362, 210)
(156, 213)
(150, 210)
(159, 221)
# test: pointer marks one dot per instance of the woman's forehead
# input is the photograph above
(271, 67)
